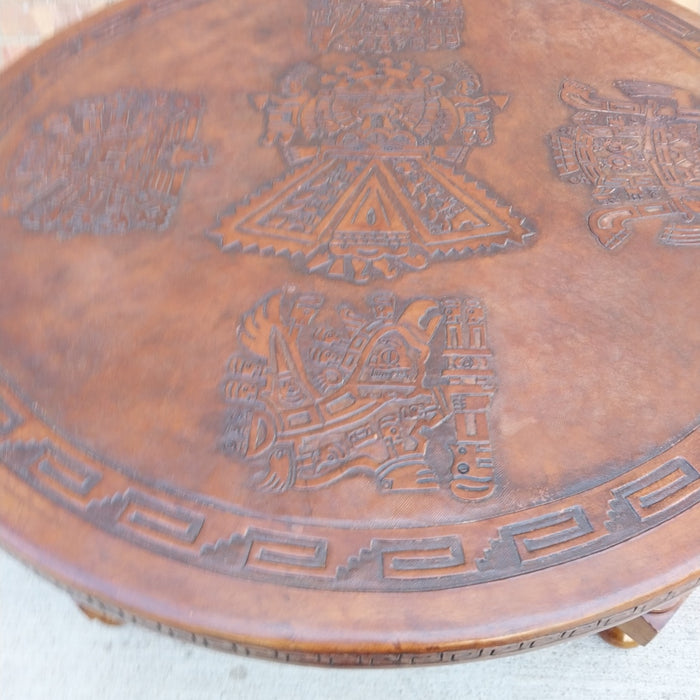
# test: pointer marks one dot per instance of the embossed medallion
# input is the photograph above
(398, 390)
(376, 187)
(385, 26)
(642, 155)
(105, 165)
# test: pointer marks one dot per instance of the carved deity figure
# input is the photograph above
(398, 391)
(642, 156)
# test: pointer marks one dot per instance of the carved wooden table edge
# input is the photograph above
(626, 628)
(635, 626)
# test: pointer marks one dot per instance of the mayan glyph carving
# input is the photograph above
(376, 185)
(398, 391)
(642, 156)
(385, 26)
(106, 165)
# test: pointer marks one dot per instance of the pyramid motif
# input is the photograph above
(377, 186)
(370, 211)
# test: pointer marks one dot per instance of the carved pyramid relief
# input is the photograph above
(396, 390)
(370, 209)
(376, 185)
(640, 154)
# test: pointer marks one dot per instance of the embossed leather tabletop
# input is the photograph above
(355, 331)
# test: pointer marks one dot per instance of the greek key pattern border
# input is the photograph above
(660, 21)
(184, 528)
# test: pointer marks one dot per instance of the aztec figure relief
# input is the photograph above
(376, 184)
(385, 26)
(642, 156)
(106, 165)
(398, 391)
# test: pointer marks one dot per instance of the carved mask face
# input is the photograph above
(384, 306)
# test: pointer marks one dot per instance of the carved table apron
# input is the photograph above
(348, 331)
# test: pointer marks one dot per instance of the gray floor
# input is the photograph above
(49, 650)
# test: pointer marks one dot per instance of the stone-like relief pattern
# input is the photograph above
(641, 155)
(376, 185)
(397, 390)
(105, 165)
(385, 26)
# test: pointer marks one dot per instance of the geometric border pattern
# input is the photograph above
(660, 21)
(182, 527)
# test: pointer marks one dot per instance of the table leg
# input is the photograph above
(96, 613)
(641, 630)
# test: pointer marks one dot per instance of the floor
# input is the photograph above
(48, 649)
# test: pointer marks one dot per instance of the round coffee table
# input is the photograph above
(356, 332)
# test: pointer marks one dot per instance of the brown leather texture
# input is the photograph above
(355, 332)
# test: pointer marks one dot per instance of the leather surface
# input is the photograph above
(349, 302)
